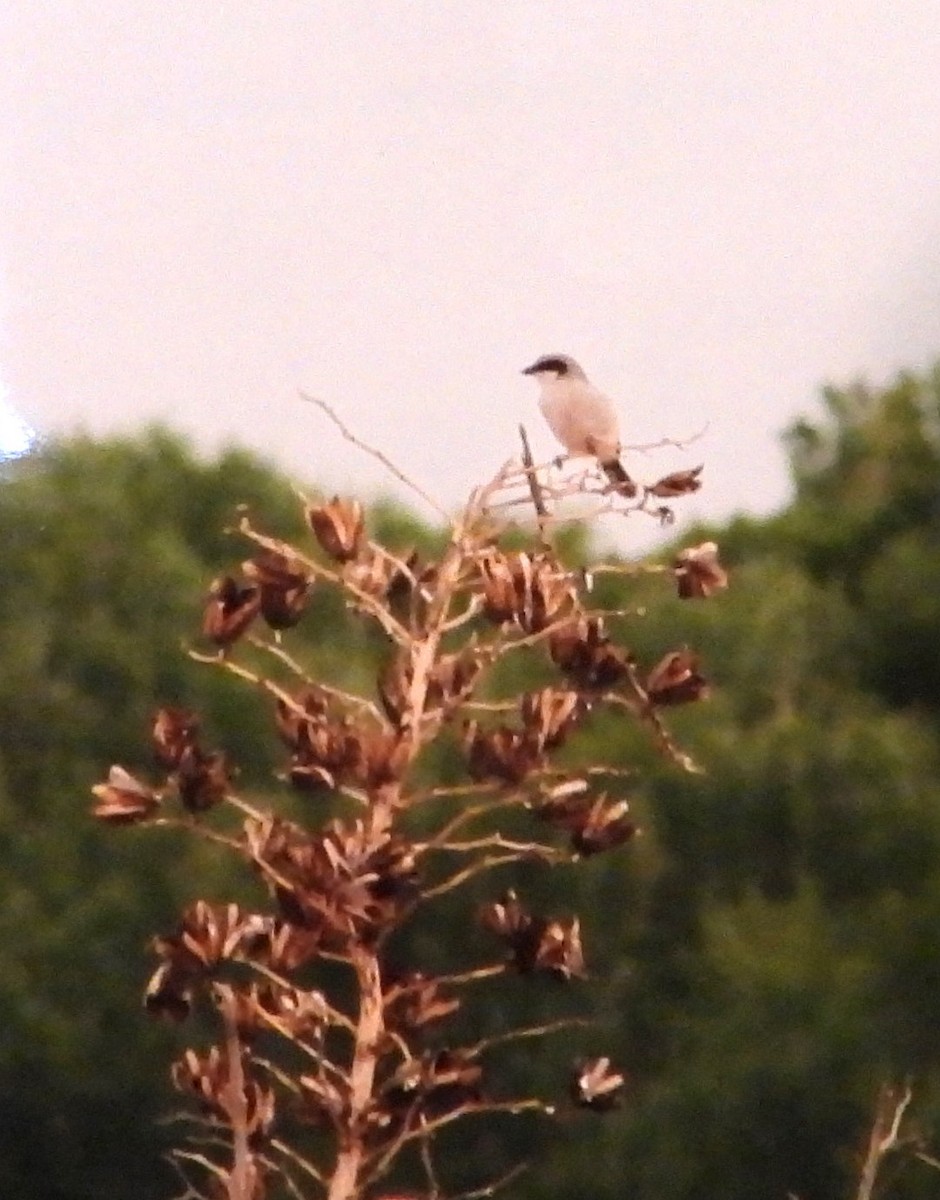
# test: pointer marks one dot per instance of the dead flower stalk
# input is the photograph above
(370, 1071)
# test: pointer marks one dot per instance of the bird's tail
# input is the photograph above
(622, 482)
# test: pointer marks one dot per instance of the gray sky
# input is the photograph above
(715, 205)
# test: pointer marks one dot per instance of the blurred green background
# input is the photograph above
(763, 958)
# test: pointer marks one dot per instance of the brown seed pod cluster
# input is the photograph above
(347, 884)
(508, 754)
(582, 649)
(593, 823)
(201, 777)
(328, 751)
(532, 591)
(536, 943)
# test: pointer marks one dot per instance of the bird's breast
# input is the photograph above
(582, 419)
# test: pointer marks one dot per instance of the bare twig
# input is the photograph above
(529, 1031)
(639, 704)
(497, 1185)
(466, 815)
(487, 863)
(496, 841)
(371, 450)
(383, 1159)
(670, 443)
(535, 488)
(434, 1187)
(328, 689)
(892, 1104)
(298, 1160)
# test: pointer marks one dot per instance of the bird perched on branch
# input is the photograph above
(582, 418)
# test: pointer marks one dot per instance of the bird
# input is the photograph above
(582, 418)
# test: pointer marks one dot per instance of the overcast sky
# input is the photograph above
(715, 205)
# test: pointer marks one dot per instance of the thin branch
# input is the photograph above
(328, 689)
(478, 868)
(631, 570)
(467, 815)
(496, 841)
(429, 1127)
(283, 1174)
(670, 443)
(203, 831)
(535, 489)
(298, 1160)
(461, 977)
(639, 704)
(285, 1080)
(459, 789)
(191, 1193)
(885, 1135)
(376, 454)
(497, 1185)
(428, 1163)
(200, 1159)
(529, 1031)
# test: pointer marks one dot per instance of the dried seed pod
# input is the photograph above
(452, 679)
(698, 572)
(383, 758)
(594, 1085)
(284, 586)
(308, 706)
(536, 944)
(338, 527)
(676, 680)
(229, 610)
(430, 1086)
(601, 827)
(680, 483)
(504, 754)
(584, 652)
(169, 993)
(507, 918)
(565, 805)
(202, 779)
(394, 687)
(208, 1077)
(174, 730)
(548, 715)
(557, 949)
(123, 799)
(372, 572)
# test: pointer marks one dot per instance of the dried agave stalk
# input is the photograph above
(371, 1078)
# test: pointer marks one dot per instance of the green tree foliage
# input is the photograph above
(107, 549)
(773, 933)
(866, 518)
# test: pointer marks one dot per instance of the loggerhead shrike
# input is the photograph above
(582, 418)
